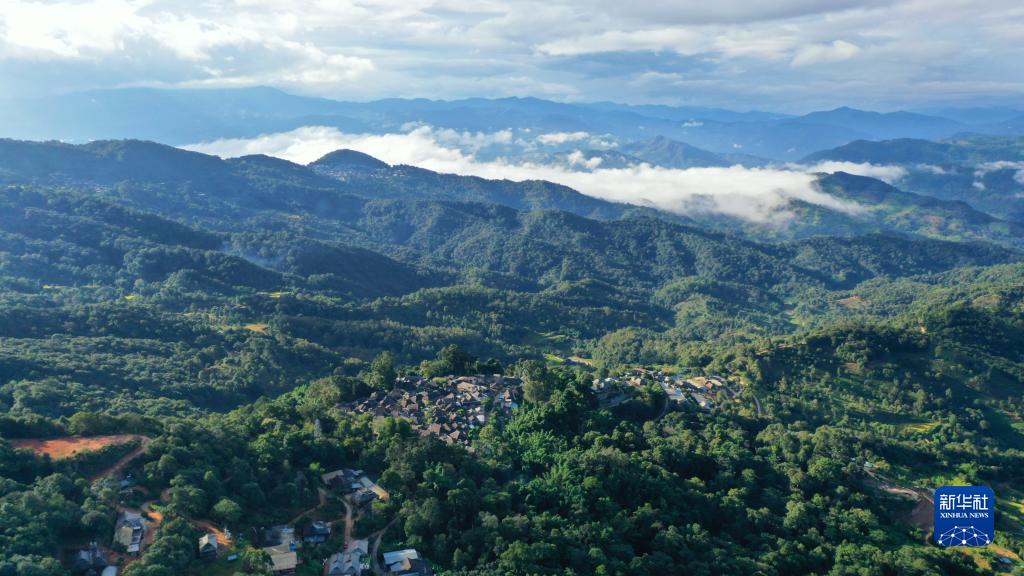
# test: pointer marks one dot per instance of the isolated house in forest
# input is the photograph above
(208, 547)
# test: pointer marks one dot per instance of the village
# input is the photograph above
(451, 408)
(703, 392)
(281, 543)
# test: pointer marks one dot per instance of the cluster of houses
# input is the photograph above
(449, 408)
(282, 542)
(356, 485)
(355, 561)
(699, 390)
(703, 390)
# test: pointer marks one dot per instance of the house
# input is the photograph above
(373, 487)
(283, 563)
(278, 537)
(398, 556)
(317, 533)
(417, 567)
(89, 562)
(406, 563)
(344, 481)
(363, 498)
(208, 547)
(703, 401)
(674, 393)
(347, 563)
(698, 382)
(129, 531)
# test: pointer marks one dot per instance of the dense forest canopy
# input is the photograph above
(226, 315)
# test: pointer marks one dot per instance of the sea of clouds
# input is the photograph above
(761, 195)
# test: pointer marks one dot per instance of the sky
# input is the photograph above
(783, 55)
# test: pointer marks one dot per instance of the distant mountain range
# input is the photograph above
(985, 172)
(151, 175)
(188, 116)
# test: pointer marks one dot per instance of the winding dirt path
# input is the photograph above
(375, 548)
(349, 522)
(922, 514)
(144, 442)
(323, 500)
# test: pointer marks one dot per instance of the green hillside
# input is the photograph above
(234, 312)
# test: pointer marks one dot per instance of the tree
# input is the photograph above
(382, 371)
(86, 423)
(451, 360)
(256, 561)
(538, 381)
(228, 511)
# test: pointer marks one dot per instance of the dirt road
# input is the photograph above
(323, 500)
(377, 536)
(116, 469)
(69, 446)
(922, 514)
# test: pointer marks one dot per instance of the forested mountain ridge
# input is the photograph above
(272, 246)
(231, 309)
(264, 182)
(364, 175)
(984, 172)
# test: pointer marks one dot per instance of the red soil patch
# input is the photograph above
(59, 448)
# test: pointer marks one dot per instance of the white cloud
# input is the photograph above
(985, 167)
(837, 51)
(680, 40)
(885, 172)
(755, 194)
(68, 30)
(932, 169)
(576, 158)
(749, 54)
(562, 137)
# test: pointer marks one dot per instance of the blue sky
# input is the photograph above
(785, 55)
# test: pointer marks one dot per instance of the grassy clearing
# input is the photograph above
(919, 427)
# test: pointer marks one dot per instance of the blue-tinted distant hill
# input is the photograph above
(985, 172)
(188, 116)
(890, 125)
(976, 115)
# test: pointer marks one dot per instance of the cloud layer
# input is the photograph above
(791, 55)
(761, 195)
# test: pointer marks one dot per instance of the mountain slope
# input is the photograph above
(363, 175)
(662, 151)
(888, 125)
(258, 183)
(985, 172)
